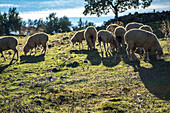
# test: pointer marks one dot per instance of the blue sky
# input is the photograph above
(35, 9)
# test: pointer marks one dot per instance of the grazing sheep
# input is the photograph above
(8, 42)
(34, 41)
(78, 37)
(147, 28)
(112, 27)
(90, 35)
(133, 25)
(106, 37)
(141, 38)
(119, 34)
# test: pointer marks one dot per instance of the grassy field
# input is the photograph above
(66, 79)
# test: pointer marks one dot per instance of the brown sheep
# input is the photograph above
(34, 41)
(8, 42)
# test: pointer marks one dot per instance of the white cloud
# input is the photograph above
(74, 12)
(8, 5)
(78, 12)
(99, 24)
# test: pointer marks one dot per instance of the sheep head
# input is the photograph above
(26, 49)
(157, 51)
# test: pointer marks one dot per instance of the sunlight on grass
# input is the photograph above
(67, 79)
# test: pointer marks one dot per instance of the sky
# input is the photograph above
(73, 9)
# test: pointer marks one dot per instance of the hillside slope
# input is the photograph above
(70, 80)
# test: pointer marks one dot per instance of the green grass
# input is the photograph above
(66, 79)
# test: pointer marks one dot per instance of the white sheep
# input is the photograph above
(106, 37)
(90, 35)
(133, 25)
(119, 35)
(147, 28)
(8, 42)
(112, 27)
(143, 39)
(34, 41)
(78, 37)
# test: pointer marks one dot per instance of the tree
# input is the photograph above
(14, 19)
(64, 24)
(51, 24)
(39, 25)
(2, 32)
(100, 7)
(80, 24)
(6, 24)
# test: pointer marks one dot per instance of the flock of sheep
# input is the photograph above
(134, 35)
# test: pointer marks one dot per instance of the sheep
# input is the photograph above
(78, 37)
(133, 25)
(141, 38)
(8, 42)
(119, 35)
(106, 37)
(34, 41)
(90, 35)
(112, 27)
(147, 28)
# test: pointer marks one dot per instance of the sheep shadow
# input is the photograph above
(155, 79)
(109, 59)
(114, 58)
(32, 59)
(92, 55)
(2, 68)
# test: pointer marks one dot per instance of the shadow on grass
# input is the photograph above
(32, 59)
(155, 79)
(111, 59)
(114, 58)
(92, 55)
(3, 67)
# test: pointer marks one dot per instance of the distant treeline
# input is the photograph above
(12, 22)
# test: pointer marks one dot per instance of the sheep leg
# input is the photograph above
(104, 46)
(93, 41)
(123, 44)
(15, 51)
(3, 56)
(100, 46)
(82, 45)
(31, 51)
(107, 47)
(144, 55)
(44, 49)
(128, 53)
(147, 53)
(79, 45)
(135, 56)
(36, 50)
(87, 45)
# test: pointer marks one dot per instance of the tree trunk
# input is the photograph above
(116, 13)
